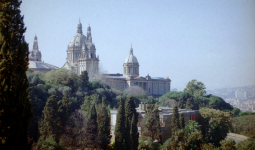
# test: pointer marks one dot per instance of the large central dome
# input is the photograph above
(79, 38)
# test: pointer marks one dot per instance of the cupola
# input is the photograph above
(131, 65)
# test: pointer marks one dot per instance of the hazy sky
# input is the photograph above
(211, 41)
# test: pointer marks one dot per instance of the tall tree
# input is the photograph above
(84, 77)
(129, 112)
(181, 103)
(195, 88)
(151, 124)
(87, 104)
(91, 130)
(120, 127)
(50, 121)
(15, 108)
(189, 104)
(175, 120)
(134, 134)
(64, 111)
(181, 121)
(104, 127)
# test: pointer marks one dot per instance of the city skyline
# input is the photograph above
(212, 41)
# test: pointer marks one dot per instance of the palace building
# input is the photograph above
(153, 86)
(81, 56)
(81, 53)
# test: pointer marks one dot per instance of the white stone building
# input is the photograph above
(35, 60)
(153, 86)
(81, 53)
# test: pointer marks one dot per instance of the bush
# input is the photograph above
(49, 144)
(244, 125)
(246, 144)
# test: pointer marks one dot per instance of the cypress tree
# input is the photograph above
(104, 127)
(189, 104)
(84, 80)
(120, 127)
(50, 122)
(91, 129)
(175, 120)
(151, 124)
(64, 111)
(134, 134)
(157, 123)
(129, 112)
(15, 108)
(182, 122)
(181, 103)
(86, 104)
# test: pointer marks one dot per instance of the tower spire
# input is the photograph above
(131, 50)
(35, 45)
(79, 27)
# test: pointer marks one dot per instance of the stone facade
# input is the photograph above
(81, 53)
(165, 115)
(153, 86)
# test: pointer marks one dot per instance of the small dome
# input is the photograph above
(131, 59)
(77, 40)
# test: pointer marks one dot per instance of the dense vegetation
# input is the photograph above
(71, 111)
(59, 95)
(76, 99)
(244, 125)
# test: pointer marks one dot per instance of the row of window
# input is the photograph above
(135, 70)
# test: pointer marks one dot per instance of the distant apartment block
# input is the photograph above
(240, 94)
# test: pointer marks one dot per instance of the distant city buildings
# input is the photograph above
(240, 97)
(240, 94)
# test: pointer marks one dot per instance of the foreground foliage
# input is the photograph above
(151, 124)
(216, 125)
(244, 125)
(15, 108)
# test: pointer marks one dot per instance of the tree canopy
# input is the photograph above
(195, 88)
(216, 125)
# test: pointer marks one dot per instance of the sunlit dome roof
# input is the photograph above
(77, 40)
(131, 58)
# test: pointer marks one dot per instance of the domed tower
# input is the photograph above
(74, 50)
(81, 53)
(131, 65)
(35, 54)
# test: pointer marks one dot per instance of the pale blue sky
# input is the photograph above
(211, 41)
